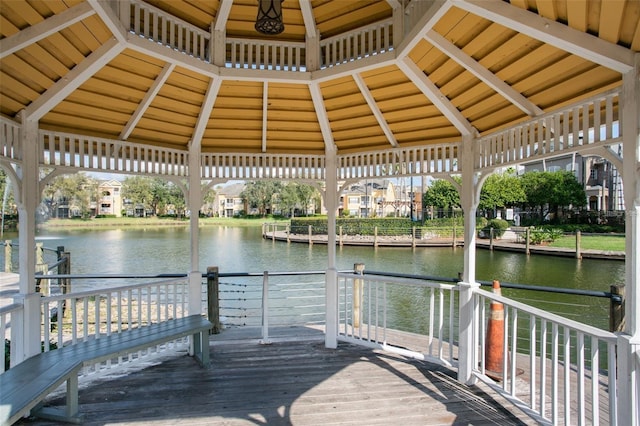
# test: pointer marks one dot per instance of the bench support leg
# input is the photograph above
(200, 343)
(69, 413)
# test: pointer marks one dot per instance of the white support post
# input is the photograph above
(469, 196)
(28, 199)
(331, 289)
(629, 341)
(312, 48)
(194, 203)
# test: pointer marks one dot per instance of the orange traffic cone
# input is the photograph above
(494, 348)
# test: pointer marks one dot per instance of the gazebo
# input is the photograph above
(322, 91)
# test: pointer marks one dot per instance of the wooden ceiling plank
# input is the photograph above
(578, 14)
(44, 29)
(611, 16)
(547, 9)
(576, 42)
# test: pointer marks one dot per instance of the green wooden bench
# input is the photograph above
(24, 386)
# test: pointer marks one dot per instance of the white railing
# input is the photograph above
(269, 304)
(106, 155)
(367, 316)
(363, 42)
(8, 314)
(75, 317)
(559, 371)
(588, 123)
(399, 162)
(265, 55)
(10, 144)
(154, 24)
(256, 166)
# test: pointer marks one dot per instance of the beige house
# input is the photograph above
(109, 200)
(228, 202)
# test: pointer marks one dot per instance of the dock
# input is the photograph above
(503, 244)
(293, 380)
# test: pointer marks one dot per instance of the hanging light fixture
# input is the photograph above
(269, 20)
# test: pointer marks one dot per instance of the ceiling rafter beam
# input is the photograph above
(44, 29)
(74, 79)
(148, 47)
(205, 113)
(146, 101)
(437, 10)
(394, 4)
(482, 73)
(223, 15)
(417, 76)
(364, 89)
(309, 20)
(561, 36)
(265, 105)
(323, 118)
(110, 18)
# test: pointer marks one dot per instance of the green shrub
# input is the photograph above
(540, 235)
(498, 226)
(353, 226)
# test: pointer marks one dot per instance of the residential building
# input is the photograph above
(601, 180)
(109, 200)
(228, 202)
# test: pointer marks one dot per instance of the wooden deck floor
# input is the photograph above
(292, 381)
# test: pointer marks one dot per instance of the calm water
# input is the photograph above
(166, 250)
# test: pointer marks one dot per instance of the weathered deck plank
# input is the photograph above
(290, 383)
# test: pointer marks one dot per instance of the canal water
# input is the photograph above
(242, 249)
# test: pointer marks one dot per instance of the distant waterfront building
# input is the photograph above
(228, 201)
(601, 180)
(109, 200)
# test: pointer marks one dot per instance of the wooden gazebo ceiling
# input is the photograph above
(380, 106)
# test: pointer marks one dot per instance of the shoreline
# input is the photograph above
(408, 242)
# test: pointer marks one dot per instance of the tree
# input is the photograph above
(442, 195)
(500, 191)
(289, 198)
(175, 197)
(137, 190)
(259, 194)
(6, 192)
(547, 192)
(305, 195)
(75, 191)
(208, 199)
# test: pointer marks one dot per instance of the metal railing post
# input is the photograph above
(7, 255)
(213, 299)
(358, 287)
(265, 309)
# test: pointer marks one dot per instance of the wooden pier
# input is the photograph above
(294, 380)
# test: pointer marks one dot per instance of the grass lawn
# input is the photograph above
(153, 221)
(592, 242)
